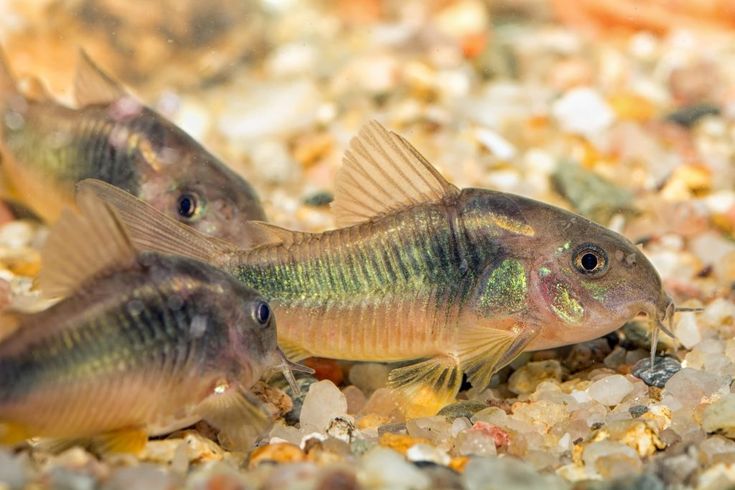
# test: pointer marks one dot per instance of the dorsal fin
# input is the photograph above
(382, 173)
(94, 86)
(81, 245)
(151, 230)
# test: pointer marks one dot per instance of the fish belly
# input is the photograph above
(366, 332)
(103, 404)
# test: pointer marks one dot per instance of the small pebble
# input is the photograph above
(688, 116)
(426, 452)
(322, 404)
(527, 378)
(583, 111)
(663, 369)
(637, 410)
(369, 376)
(719, 416)
(319, 199)
(282, 452)
(610, 390)
(385, 468)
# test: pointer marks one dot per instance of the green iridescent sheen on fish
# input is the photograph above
(451, 281)
(506, 288)
(141, 344)
(566, 306)
(48, 147)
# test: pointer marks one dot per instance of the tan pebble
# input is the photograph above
(617, 466)
(275, 398)
(641, 437)
(459, 463)
(27, 262)
(400, 442)
(355, 399)
(527, 378)
(310, 149)
(372, 421)
(282, 452)
(632, 107)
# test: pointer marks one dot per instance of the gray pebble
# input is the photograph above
(663, 369)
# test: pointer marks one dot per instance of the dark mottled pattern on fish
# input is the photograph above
(74, 148)
(151, 328)
(47, 148)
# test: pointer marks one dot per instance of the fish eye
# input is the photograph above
(262, 313)
(590, 260)
(187, 205)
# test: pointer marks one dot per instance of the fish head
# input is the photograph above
(252, 336)
(573, 279)
(586, 280)
(185, 181)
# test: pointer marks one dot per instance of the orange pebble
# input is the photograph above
(326, 369)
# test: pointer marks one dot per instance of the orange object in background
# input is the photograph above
(658, 16)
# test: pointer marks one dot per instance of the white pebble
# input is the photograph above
(271, 160)
(610, 390)
(583, 111)
(426, 452)
(271, 110)
(686, 330)
(496, 144)
(322, 404)
(16, 234)
(385, 468)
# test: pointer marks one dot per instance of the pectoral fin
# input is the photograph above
(239, 416)
(427, 386)
(293, 351)
(484, 350)
(130, 440)
(12, 433)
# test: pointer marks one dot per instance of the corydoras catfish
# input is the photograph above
(451, 281)
(48, 147)
(142, 344)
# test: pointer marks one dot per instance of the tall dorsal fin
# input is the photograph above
(382, 173)
(94, 86)
(83, 244)
(151, 230)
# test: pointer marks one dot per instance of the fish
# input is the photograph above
(139, 344)
(445, 281)
(47, 147)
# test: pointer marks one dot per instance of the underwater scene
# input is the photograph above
(367, 244)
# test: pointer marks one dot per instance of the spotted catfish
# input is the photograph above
(48, 147)
(141, 344)
(451, 281)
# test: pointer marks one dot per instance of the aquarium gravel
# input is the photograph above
(632, 128)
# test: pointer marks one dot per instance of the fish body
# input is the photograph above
(146, 345)
(452, 281)
(48, 147)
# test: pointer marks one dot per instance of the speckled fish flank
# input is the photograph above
(459, 281)
(141, 344)
(47, 148)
